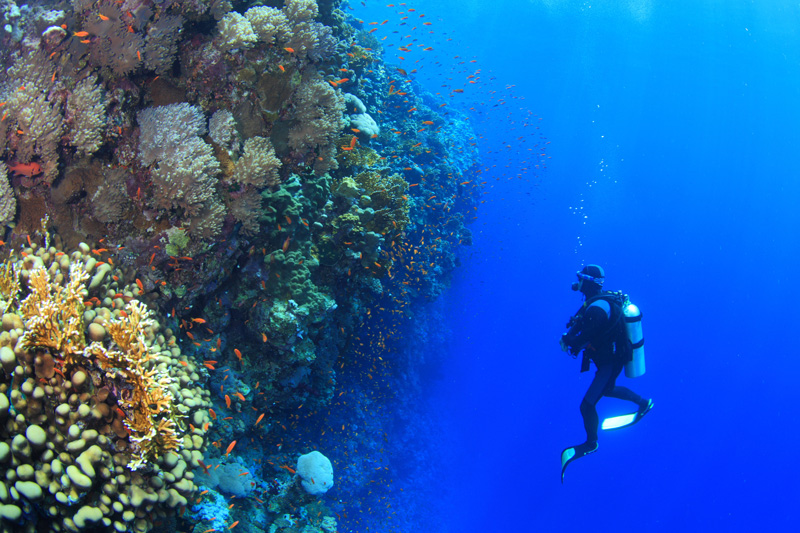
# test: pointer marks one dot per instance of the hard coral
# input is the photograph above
(78, 424)
(53, 314)
(147, 399)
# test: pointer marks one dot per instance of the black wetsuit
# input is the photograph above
(609, 349)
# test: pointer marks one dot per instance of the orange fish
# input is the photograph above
(80, 34)
(212, 413)
(102, 17)
(286, 243)
(228, 401)
(139, 284)
(233, 525)
(238, 353)
(290, 50)
(230, 447)
(25, 169)
(240, 395)
(260, 418)
(281, 67)
(264, 337)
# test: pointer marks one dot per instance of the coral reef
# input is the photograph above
(272, 208)
(94, 403)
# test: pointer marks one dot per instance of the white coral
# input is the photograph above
(268, 23)
(258, 166)
(186, 172)
(222, 130)
(301, 10)
(8, 202)
(86, 114)
(235, 32)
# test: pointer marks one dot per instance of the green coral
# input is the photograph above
(177, 241)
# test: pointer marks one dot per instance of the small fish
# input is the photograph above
(230, 447)
(260, 418)
(228, 401)
(80, 34)
(212, 413)
(139, 284)
(102, 17)
(264, 337)
(290, 50)
(238, 353)
(286, 244)
(234, 524)
(281, 67)
(199, 320)
(240, 396)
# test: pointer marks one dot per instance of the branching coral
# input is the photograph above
(148, 402)
(9, 284)
(53, 314)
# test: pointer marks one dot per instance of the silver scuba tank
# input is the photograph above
(633, 324)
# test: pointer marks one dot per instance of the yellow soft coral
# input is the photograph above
(149, 402)
(9, 284)
(53, 314)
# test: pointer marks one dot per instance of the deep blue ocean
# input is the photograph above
(672, 162)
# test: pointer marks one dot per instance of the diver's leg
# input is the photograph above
(613, 390)
(604, 374)
(624, 393)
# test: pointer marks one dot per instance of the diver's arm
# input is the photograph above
(585, 330)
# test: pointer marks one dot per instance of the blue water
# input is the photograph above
(672, 163)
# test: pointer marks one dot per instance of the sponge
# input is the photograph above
(316, 472)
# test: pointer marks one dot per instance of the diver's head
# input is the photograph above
(590, 280)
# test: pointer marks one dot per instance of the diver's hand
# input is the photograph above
(562, 342)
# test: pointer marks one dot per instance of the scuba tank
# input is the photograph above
(633, 325)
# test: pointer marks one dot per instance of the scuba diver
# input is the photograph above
(607, 328)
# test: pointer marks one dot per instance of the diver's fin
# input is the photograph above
(622, 421)
(575, 452)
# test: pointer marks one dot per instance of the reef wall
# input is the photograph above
(262, 196)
